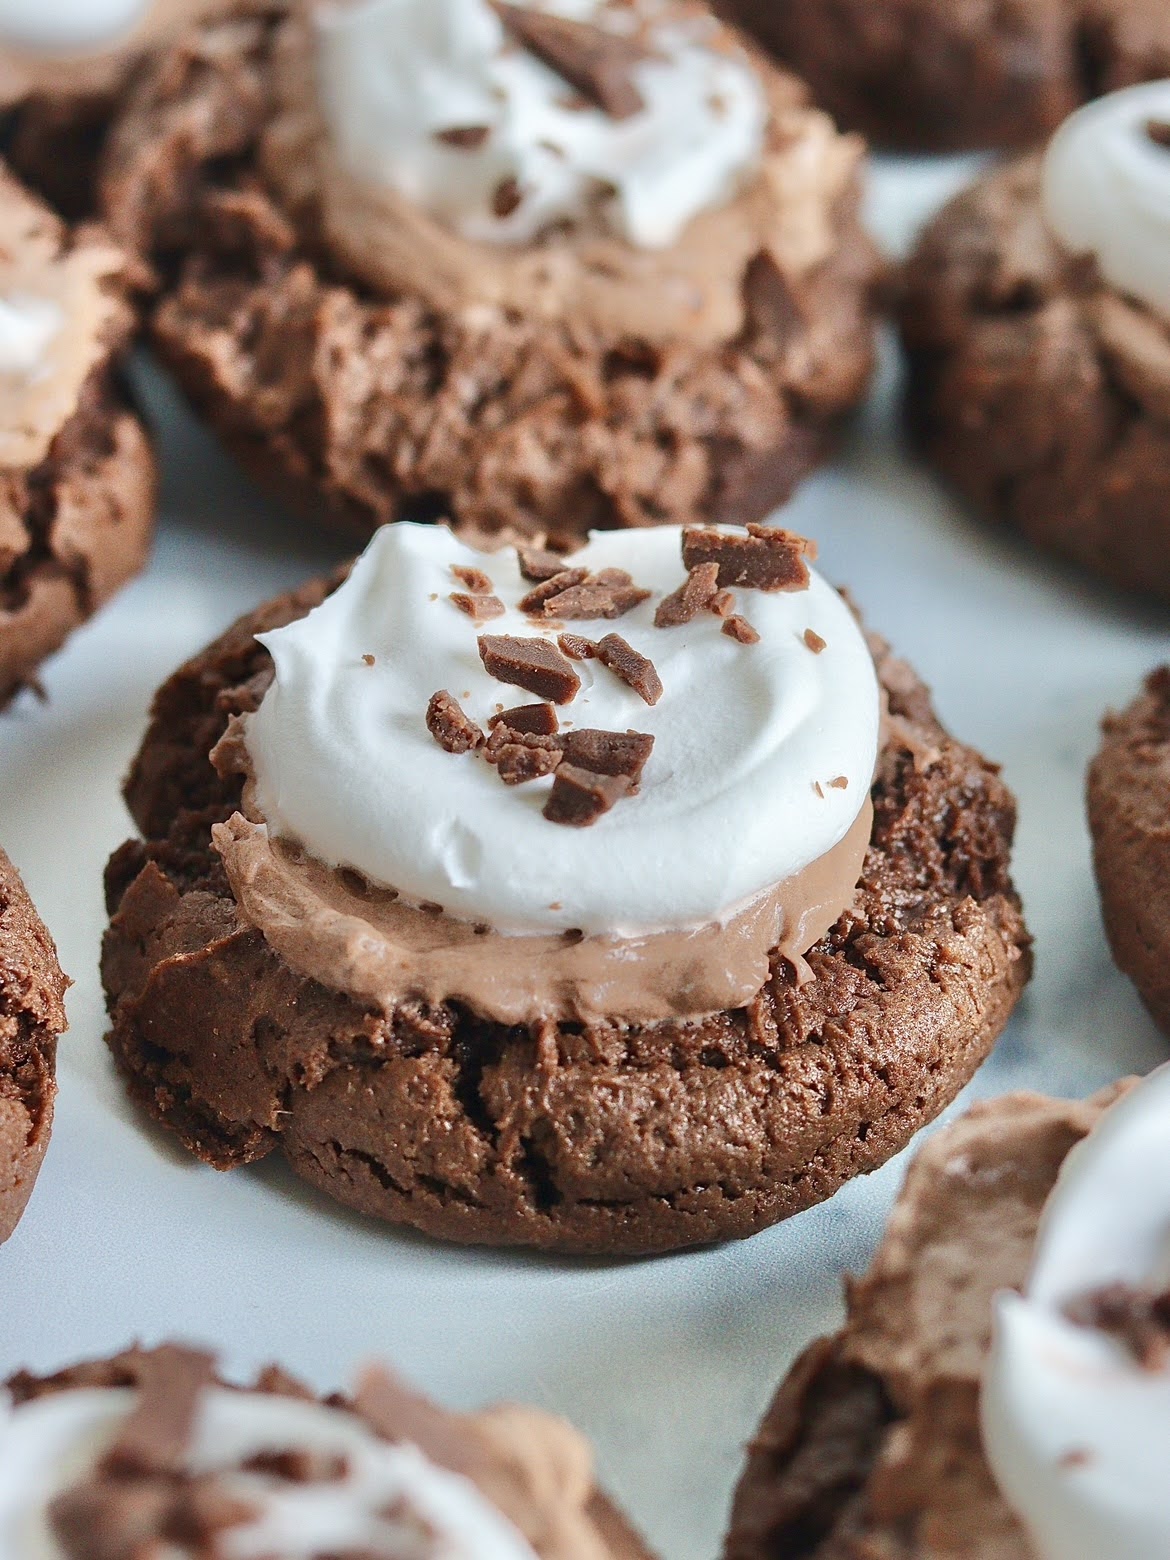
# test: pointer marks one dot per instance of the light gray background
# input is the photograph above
(666, 1364)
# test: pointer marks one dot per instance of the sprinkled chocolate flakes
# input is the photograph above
(766, 558)
(608, 752)
(518, 762)
(1158, 131)
(536, 564)
(552, 585)
(533, 664)
(506, 197)
(599, 64)
(814, 641)
(452, 728)
(1138, 1318)
(577, 648)
(480, 609)
(693, 596)
(464, 138)
(635, 670)
(736, 627)
(538, 719)
(475, 580)
(579, 796)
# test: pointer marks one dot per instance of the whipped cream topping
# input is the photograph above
(391, 1501)
(28, 327)
(437, 100)
(736, 797)
(64, 26)
(1076, 1429)
(1106, 189)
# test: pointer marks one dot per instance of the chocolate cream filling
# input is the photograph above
(330, 925)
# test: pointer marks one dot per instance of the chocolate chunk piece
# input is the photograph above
(814, 641)
(465, 138)
(608, 752)
(1138, 1318)
(839, 783)
(535, 599)
(518, 762)
(722, 603)
(507, 197)
(475, 579)
(736, 627)
(481, 609)
(451, 727)
(537, 564)
(580, 796)
(533, 664)
(1158, 131)
(693, 596)
(539, 719)
(598, 63)
(577, 648)
(154, 1436)
(298, 1465)
(609, 594)
(635, 670)
(762, 558)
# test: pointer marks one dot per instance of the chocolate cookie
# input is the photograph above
(930, 75)
(1129, 801)
(873, 1444)
(1039, 387)
(582, 1135)
(32, 1015)
(185, 1458)
(369, 359)
(77, 481)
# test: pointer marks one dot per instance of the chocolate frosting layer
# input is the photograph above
(365, 941)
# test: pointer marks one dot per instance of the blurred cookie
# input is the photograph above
(1036, 316)
(1000, 1385)
(151, 1449)
(32, 1015)
(1129, 805)
(931, 75)
(548, 936)
(77, 477)
(572, 274)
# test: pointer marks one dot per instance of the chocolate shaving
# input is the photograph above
(465, 138)
(577, 648)
(635, 670)
(507, 197)
(693, 596)
(537, 564)
(1138, 1318)
(154, 1436)
(608, 752)
(722, 603)
(599, 64)
(580, 796)
(452, 728)
(765, 558)
(609, 594)
(736, 627)
(814, 641)
(481, 609)
(839, 783)
(367, 660)
(533, 664)
(538, 719)
(1158, 131)
(475, 579)
(535, 599)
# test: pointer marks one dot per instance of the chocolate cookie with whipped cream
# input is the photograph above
(151, 1452)
(612, 901)
(77, 479)
(593, 265)
(1002, 1384)
(1036, 315)
(1129, 805)
(32, 1015)
(64, 66)
(930, 75)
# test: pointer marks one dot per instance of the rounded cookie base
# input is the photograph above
(364, 409)
(929, 75)
(1038, 392)
(605, 1139)
(32, 1015)
(1129, 802)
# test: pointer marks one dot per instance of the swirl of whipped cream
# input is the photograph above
(1077, 1431)
(65, 26)
(737, 795)
(1106, 190)
(391, 1500)
(434, 99)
